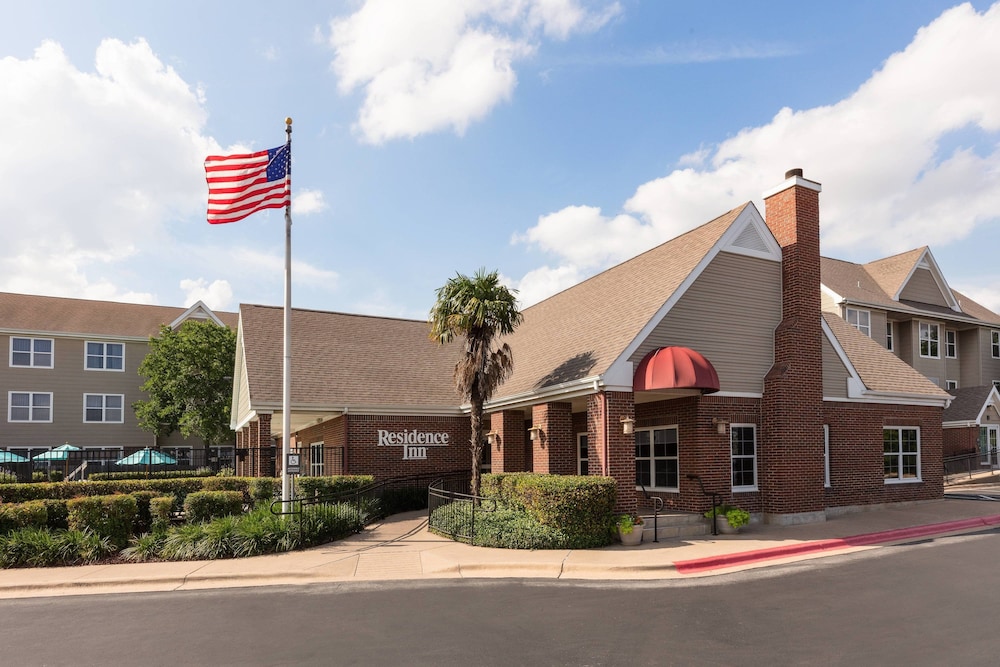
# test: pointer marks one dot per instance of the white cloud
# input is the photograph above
(255, 263)
(539, 284)
(440, 64)
(985, 294)
(105, 160)
(218, 295)
(306, 202)
(911, 158)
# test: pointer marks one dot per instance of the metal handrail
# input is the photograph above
(951, 469)
(715, 500)
(657, 506)
(475, 503)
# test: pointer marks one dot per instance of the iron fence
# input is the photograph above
(83, 463)
(452, 510)
(965, 465)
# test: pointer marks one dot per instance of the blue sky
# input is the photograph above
(547, 139)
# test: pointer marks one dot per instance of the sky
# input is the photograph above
(544, 139)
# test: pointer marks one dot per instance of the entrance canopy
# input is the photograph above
(675, 368)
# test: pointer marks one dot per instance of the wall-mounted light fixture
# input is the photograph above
(628, 425)
(535, 432)
(493, 438)
(720, 425)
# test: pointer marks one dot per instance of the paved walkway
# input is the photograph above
(401, 548)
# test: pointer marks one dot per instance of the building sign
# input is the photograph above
(414, 443)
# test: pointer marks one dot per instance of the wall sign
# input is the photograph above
(414, 443)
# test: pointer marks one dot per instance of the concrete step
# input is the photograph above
(675, 525)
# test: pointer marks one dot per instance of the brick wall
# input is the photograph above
(365, 456)
(509, 452)
(961, 440)
(554, 448)
(612, 453)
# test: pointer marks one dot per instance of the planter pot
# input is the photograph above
(631, 539)
(725, 528)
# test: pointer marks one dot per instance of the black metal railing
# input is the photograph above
(657, 505)
(87, 461)
(714, 495)
(359, 507)
(964, 465)
(452, 511)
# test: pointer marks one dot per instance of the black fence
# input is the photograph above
(44, 464)
(965, 466)
(452, 510)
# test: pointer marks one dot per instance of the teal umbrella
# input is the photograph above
(60, 453)
(146, 457)
(10, 457)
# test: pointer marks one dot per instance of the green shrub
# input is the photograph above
(40, 547)
(107, 516)
(145, 547)
(15, 516)
(152, 474)
(58, 513)
(159, 512)
(207, 505)
(264, 489)
(39, 476)
(56, 475)
(7, 476)
(143, 519)
(306, 487)
(241, 484)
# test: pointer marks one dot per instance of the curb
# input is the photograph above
(870, 539)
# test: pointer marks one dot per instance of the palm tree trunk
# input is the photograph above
(476, 443)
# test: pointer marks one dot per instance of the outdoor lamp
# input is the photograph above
(493, 438)
(534, 432)
(628, 425)
(720, 425)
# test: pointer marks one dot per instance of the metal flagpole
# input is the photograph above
(286, 370)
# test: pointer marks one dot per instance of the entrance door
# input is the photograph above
(989, 438)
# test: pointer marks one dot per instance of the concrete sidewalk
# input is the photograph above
(401, 548)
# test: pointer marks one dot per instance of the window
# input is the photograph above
(582, 455)
(826, 455)
(890, 341)
(316, 459)
(31, 352)
(656, 464)
(901, 454)
(105, 356)
(24, 406)
(996, 383)
(930, 334)
(743, 441)
(951, 384)
(103, 408)
(181, 454)
(995, 343)
(950, 343)
(860, 320)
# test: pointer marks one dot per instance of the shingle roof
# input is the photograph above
(582, 330)
(343, 360)
(968, 403)
(875, 283)
(58, 315)
(879, 369)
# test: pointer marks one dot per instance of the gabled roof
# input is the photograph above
(342, 362)
(970, 404)
(879, 284)
(47, 315)
(882, 373)
(577, 334)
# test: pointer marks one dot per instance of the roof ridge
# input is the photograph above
(334, 312)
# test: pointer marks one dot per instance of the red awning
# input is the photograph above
(675, 368)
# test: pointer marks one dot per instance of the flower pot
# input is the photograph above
(631, 538)
(725, 528)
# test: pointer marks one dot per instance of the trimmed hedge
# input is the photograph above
(19, 493)
(579, 507)
(58, 513)
(204, 506)
(264, 489)
(306, 487)
(153, 474)
(107, 516)
(159, 512)
(23, 515)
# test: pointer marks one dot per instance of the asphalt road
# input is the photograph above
(932, 603)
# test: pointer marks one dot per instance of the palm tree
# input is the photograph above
(480, 310)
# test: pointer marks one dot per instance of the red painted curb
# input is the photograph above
(744, 557)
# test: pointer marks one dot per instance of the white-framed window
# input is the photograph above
(31, 352)
(29, 406)
(105, 356)
(930, 337)
(890, 340)
(103, 408)
(743, 443)
(996, 383)
(99, 458)
(223, 456)
(901, 454)
(826, 455)
(582, 454)
(316, 459)
(656, 462)
(860, 320)
(995, 343)
(950, 343)
(951, 384)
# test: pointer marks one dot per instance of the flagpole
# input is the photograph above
(286, 371)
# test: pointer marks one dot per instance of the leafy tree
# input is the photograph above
(188, 379)
(480, 310)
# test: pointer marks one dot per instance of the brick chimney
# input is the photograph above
(790, 473)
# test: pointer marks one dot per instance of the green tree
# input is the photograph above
(480, 310)
(189, 381)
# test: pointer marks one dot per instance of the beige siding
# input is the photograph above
(878, 319)
(934, 369)
(829, 305)
(991, 366)
(834, 373)
(970, 364)
(906, 341)
(728, 315)
(922, 287)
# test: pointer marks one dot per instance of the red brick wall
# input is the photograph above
(554, 448)
(612, 453)
(961, 441)
(509, 452)
(365, 456)
(856, 453)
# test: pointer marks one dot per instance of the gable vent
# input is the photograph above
(750, 239)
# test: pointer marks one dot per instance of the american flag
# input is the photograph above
(239, 185)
